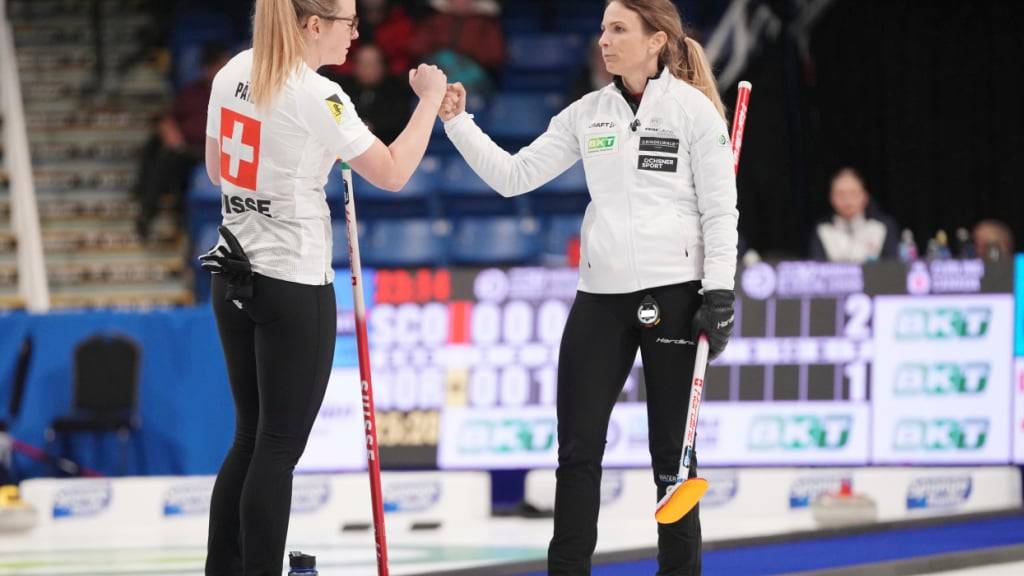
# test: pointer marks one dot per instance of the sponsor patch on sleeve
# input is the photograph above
(649, 144)
(335, 106)
(656, 163)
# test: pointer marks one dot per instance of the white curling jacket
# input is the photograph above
(661, 182)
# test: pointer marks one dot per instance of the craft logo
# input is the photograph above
(596, 144)
(191, 499)
(411, 496)
(806, 490)
(938, 492)
(800, 432)
(508, 436)
(82, 499)
(941, 379)
(941, 434)
(942, 323)
(309, 495)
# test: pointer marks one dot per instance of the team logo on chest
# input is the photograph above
(602, 144)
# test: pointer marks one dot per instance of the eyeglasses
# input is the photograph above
(353, 21)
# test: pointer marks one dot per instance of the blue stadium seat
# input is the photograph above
(404, 242)
(191, 29)
(200, 188)
(204, 238)
(417, 198)
(203, 203)
(496, 240)
(459, 179)
(544, 51)
(466, 193)
(558, 232)
(520, 116)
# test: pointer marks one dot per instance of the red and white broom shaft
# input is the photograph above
(696, 392)
(369, 418)
(739, 121)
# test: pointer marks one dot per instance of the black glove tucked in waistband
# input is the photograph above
(232, 264)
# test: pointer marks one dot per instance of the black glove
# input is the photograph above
(233, 264)
(715, 319)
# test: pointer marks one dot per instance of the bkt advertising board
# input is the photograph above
(728, 433)
(942, 371)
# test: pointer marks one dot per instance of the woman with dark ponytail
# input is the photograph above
(275, 128)
(657, 255)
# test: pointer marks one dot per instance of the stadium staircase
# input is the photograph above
(85, 135)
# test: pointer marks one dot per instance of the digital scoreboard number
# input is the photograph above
(830, 364)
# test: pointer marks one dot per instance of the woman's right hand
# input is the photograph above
(454, 102)
(428, 82)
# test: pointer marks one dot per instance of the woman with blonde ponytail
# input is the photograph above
(275, 129)
(657, 255)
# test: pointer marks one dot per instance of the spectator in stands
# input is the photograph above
(386, 24)
(593, 76)
(657, 258)
(178, 145)
(463, 38)
(275, 131)
(993, 241)
(382, 99)
(858, 231)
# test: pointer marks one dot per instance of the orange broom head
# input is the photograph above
(678, 502)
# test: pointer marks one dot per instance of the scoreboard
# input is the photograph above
(830, 364)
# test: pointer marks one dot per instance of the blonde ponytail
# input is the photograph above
(277, 43)
(694, 68)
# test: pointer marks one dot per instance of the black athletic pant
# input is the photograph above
(598, 348)
(279, 350)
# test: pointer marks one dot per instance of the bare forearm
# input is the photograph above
(407, 150)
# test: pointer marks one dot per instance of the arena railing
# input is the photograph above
(32, 281)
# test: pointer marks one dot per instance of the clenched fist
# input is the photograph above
(428, 82)
(454, 102)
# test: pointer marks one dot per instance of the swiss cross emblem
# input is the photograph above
(239, 148)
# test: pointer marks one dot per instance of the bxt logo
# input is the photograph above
(938, 492)
(192, 499)
(722, 489)
(800, 432)
(310, 495)
(942, 379)
(941, 434)
(942, 323)
(806, 490)
(411, 496)
(508, 436)
(82, 499)
(612, 484)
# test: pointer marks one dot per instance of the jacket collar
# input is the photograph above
(654, 82)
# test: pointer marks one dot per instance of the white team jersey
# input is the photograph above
(662, 187)
(274, 164)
